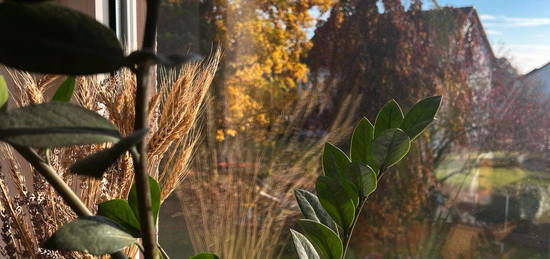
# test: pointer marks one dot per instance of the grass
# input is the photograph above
(456, 172)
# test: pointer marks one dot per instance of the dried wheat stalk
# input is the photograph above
(239, 199)
(30, 210)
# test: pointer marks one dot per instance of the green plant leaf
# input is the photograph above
(390, 116)
(96, 235)
(65, 90)
(55, 124)
(326, 242)
(335, 160)
(204, 256)
(155, 198)
(119, 211)
(4, 94)
(420, 116)
(350, 189)
(390, 147)
(304, 248)
(312, 209)
(362, 137)
(336, 200)
(363, 178)
(96, 164)
(51, 39)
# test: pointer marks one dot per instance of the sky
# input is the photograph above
(517, 29)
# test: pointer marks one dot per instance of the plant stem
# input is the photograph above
(347, 236)
(143, 78)
(55, 181)
(59, 186)
(163, 252)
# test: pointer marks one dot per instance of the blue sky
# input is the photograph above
(518, 29)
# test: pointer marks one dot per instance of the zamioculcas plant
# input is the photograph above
(43, 37)
(331, 214)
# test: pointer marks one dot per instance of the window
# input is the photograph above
(121, 17)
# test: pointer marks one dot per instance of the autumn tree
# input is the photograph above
(264, 45)
(371, 55)
(516, 108)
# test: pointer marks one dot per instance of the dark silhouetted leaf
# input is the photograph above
(304, 248)
(312, 209)
(55, 124)
(96, 164)
(336, 200)
(204, 256)
(65, 90)
(390, 147)
(4, 94)
(119, 211)
(420, 116)
(363, 178)
(335, 160)
(327, 243)
(96, 235)
(31, 1)
(146, 56)
(361, 140)
(155, 198)
(48, 38)
(390, 116)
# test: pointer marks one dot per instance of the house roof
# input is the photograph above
(534, 71)
(443, 20)
(466, 13)
(472, 13)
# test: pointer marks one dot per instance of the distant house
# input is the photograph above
(344, 63)
(538, 77)
(444, 21)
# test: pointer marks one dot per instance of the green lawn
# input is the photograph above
(489, 177)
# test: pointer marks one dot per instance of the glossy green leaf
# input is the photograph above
(96, 235)
(390, 116)
(327, 243)
(51, 39)
(312, 209)
(362, 137)
(55, 124)
(363, 178)
(337, 201)
(304, 248)
(350, 189)
(390, 147)
(335, 160)
(4, 94)
(420, 116)
(65, 90)
(96, 164)
(119, 211)
(204, 256)
(155, 198)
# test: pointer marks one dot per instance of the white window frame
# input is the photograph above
(125, 20)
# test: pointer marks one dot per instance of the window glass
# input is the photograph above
(296, 74)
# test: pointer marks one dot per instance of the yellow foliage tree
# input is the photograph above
(264, 43)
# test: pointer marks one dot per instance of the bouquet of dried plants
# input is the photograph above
(30, 210)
